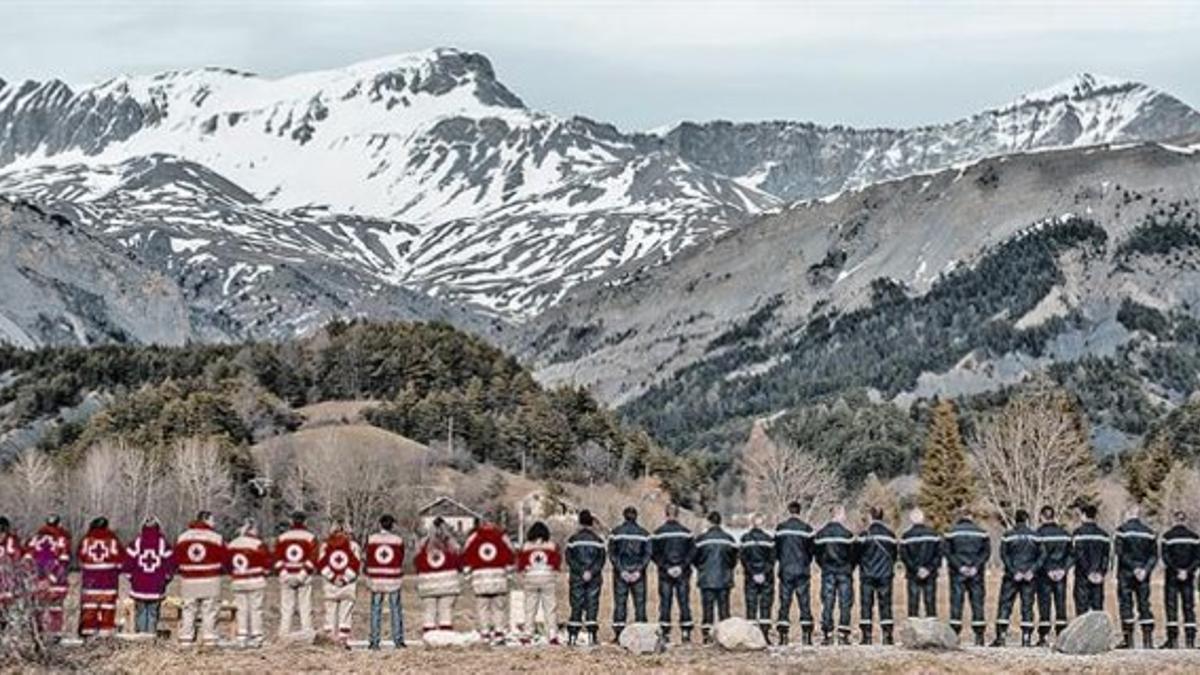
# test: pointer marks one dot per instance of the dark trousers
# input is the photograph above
(674, 589)
(1129, 592)
(1009, 590)
(1089, 597)
(836, 588)
(872, 592)
(759, 598)
(922, 591)
(972, 589)
(1179, 595)
(797, 587)
(1051, 592)
(621, 594)
(713, 599)
(585, 603)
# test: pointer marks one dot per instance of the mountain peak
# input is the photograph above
(1081, 86)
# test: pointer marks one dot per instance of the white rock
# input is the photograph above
(451, 638)
(1090, 633)
(739, 635)
(642, 638)
(928, 634)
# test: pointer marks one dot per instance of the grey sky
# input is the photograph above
(644, 63)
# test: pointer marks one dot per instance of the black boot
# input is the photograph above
(979, 641)
(766, 631)
(1172, 639)
(1189, 638)
(843, 636)
(866, 636)
(1127, 642)
(999, 641)
(806, 635)
(887, 635)
(1043, 637)
(827, 639)
(593, 636)
(617, 634)
(1147, 637)
(572, 637)
(686, 636)
(1026, 637)
(706, 636)
(783, 637)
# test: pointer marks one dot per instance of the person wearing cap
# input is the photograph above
(295, 558)
(339, 563)
(149, 565)
(100, 560)
(715, 557)
(585, 560)
(489, 561)
(385, 576)
(439, 582)
(49, 551)
(249, 564)
(200, 555)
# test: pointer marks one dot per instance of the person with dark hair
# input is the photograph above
(921, 552)
(968, 549)
(629, 551)
(876, 555)
(1181, 557)
(1137, 554)
(385, 576)
(835, 549)
(794, 550)
(1093, 552)
(149, 564)
(200, 556)
(672, 545)
(757, 551)
(296, 552)
(539, 563)
(249, 564)
(49, 550)
(438, 579)
(100, 560)
(1051, 582)
(714, 557)
(585, 560)
(340, 563)
(1022, 558)
(488, 561)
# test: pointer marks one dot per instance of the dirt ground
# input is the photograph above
(169, 658)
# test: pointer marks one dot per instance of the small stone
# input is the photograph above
(642, 638)
(1090, 633)
(451, 638)
(928, 634)
(739, 635)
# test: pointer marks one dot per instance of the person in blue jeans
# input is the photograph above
(385, 573)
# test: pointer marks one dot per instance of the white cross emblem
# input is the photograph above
(487, 551)
(98, 551)
(195, 552)
(149, 561)
(384, 554)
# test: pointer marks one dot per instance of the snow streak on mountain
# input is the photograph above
(423, 172)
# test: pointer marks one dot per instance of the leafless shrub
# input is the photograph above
(22, 642)
(777, 474)
(30, 489)
(200, 479)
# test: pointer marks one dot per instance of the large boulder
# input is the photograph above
(450, 638)
(642, 638)
(739, 635)
(1090, 633)
(928, 634)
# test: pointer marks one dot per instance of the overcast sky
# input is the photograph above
(643, 63)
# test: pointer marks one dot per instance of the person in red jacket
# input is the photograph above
(248, 563)
(150, 564)
(200, 552)
(295, 562)
(385, 575)
(340, 564)
(438, 563)
(49, 550)
(489, 560)
(539, 563)
(100, 560)
(10, 559)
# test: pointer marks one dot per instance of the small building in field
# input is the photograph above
(459, 517)
(556, 511)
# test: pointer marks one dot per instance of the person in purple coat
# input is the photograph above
(150, 564)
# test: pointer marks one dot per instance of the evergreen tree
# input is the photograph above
(1146, 470)
(947, 483)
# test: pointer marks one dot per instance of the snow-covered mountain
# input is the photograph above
(424, 173)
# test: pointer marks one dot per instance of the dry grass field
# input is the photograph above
(165, 658)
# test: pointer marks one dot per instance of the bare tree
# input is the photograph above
(1034, 452)
(1177, 493)
(776, 474)
(200, 479)
(595, 462)
(31, 489)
